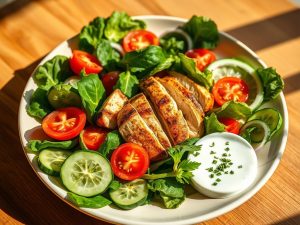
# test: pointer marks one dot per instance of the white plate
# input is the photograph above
(196, 208)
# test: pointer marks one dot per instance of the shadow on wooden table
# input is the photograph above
(14, 6)
(293, 220)
(23, 196)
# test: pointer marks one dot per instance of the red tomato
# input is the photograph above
(230, 88)
(202, 57)
(232, 125)
(83, 60)
(139, 39)
(65, 123)
(93, 137)
(109, 80)
(129, 161)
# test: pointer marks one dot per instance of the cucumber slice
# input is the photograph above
(235, 68)
(86, 173)
(51, 160)
(260, 133)
(271, 117)
(130, 195)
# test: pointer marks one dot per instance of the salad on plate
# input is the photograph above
(132, 117)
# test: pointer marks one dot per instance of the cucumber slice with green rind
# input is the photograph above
(130, 195)
(271, 117)
(236, 68)
(51, 160)
(86, 173)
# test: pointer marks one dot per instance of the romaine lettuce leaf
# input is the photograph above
(96, 202)
(38, 145)
(234, 110)
(212, 124)
(107, 55)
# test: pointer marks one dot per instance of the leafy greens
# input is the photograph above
(128, 84)
(95, 202)
(38, 145)
(112, 140)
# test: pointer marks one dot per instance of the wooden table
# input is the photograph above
(30, 29)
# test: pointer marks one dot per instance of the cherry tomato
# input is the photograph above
(230, 88)
(202, 57)
(129, 161)
(64, 123)
(109, 80)
(232, 125)
(93, 137)
(83, 60)
(139, 39)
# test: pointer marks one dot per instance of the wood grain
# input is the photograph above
(30, 29)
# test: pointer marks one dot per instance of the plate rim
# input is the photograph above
(213, 214)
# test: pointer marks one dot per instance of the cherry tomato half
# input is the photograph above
(93, 137)
(230, 88)
(202, 57)
(64, 123)
(129, 161)
(83, 60)
(232, 125)
(109, 80)
(139, 39)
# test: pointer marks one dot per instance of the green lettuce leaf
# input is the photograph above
(272, 82)
(119, 24)
(203, 31)
(212, 124)
(91, 34)
(39, 105)
(112, 141)
(38, 145)
(128, 84)
(95, 202)
(52, 72)
(172, 46)
(234, 110)
(189, 67)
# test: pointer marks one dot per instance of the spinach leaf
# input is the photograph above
(92, 94)
(190, 68)
(172, 46)
(212, 124)
(95, 202)
(39, 105)
(235, 110)
(107, 55)
(203, 31)
(112, 141)
(142, 61)
(128, 84)
(272, 82)
(119, 24)
(52, 72)
(91, 34)
(38, 145)
(166, 64)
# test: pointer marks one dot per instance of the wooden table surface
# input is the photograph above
(30, 29)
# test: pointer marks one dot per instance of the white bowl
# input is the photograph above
(196, 208)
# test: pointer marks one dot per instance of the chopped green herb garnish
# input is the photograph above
(240, 166)
(212, 144)
(226, 172)
(218, 179)
(227, 143)
(224, 154)
(212, 152)
(214, 161)
(227, 149)
(211, 175)
(231, 172)
(215, 184)
(219, 174)
(215, 157)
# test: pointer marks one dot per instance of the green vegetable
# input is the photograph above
(171, 191)
(112, 141)
(119, 24)
(91, 34)
(172, 46)
(166, 64)
(95, 202)
(142, 61)
(212, 124)
(38, 145)
(128, 84)
(182, 169)
(107, 55)
(63, 95)
(92, 94)
(235, 110)
(247, 133)
(189, 67)
(39, 106)
(52, 72)
(114, 185)
(203, 31)
(272, 83)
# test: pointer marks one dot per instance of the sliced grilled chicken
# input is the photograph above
(166, 108)
(143, 107)
(203, 96)
(134, 129)
(107, 115)
(187, 103)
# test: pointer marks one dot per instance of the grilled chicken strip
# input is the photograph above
(143, 107)
(187, 103)
(107, 115)
(203, 96)
(166, 108)
(134, 129)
